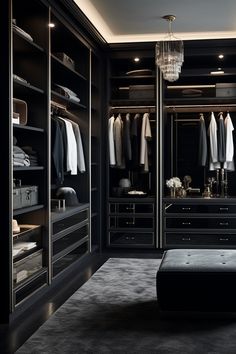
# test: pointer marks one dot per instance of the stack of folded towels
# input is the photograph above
(20, 158)
(65, 91)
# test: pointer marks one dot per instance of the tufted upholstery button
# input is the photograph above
(187, 263)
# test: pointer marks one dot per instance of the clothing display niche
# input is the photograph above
(130, 148)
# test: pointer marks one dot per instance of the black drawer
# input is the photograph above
(131, 222)
(201, 223)
(199, 239)
(200, 208)
(67, 222)
(69, 239)
(64, 262)
(126, 208)
(131, 239)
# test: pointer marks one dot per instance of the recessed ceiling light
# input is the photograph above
(220, 72)
(221, 56)
(219, 69)
(51, 25)
(136, 59)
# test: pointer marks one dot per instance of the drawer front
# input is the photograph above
(127, 208)
(63, 224)
(131, 222)
(200, 208)
(123, 239)
(69, 239)
(200, 239)
(200, 223)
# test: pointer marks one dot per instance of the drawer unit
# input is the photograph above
(69, 239)
(131, 208)
(69, 221)
(27, 266)
(62, 263)
(189, 239)
(131, 224)
(199, 208)
(199, 224)
(129, 239)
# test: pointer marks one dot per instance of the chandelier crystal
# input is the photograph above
(170, 53)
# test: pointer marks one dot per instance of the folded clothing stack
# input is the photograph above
(33, 155)
(20, 158)
(21, 247)
(21, 31)
(65, 91)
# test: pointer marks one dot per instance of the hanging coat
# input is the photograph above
(111, 141)
(136, 128)
(212, 132)
(221, 139)
(127, 138)
(146, 135)
(118, 134)
(202, 152)
(229, 161)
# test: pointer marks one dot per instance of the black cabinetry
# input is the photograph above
(132, 83)
(131, 223)
(200, 90)
(30, 105)
(47, 51)
(201, 223)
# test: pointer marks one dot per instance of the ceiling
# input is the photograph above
(121, 21)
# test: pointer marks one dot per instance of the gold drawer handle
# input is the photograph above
(130, 222)
(186, 239)
(185, 208)
(224, 239)
(224, 223)
(186, 223)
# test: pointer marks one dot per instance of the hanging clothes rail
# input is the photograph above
(201, 108)
(133, 109)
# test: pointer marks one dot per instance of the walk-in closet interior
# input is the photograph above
(93, 140)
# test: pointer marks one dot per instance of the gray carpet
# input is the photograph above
(116, 312)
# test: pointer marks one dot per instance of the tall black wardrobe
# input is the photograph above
(52, 75)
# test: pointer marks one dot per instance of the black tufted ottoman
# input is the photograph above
(197, 280)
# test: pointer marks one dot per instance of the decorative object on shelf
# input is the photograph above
(170, 53)
(173, 183)
(69, 194)
(20, 107)
(15, 226)
(65, 59)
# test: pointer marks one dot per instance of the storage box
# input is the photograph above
(142, 92)
(25, 196)
(20, 107)
(226, 90)
(65, 59)
(27, 266)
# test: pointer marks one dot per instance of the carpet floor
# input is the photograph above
(116, 312)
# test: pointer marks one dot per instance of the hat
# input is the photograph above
(69, 194)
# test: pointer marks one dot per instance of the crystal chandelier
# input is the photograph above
(170, 53)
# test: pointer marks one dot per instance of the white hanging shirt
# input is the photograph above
(80, 150)
(212, 132)
(146, 135)
(111, 141)
(229, 161)
(71, 158)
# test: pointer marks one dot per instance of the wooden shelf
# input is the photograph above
(71, 104)
(21, 85)
(27, 41)
(27, 210)
(130, 78)
(127, 102)
(60, 215)
(28, 168)
(28, 127)
(64, 66)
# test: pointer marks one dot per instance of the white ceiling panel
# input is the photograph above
(141, 20)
